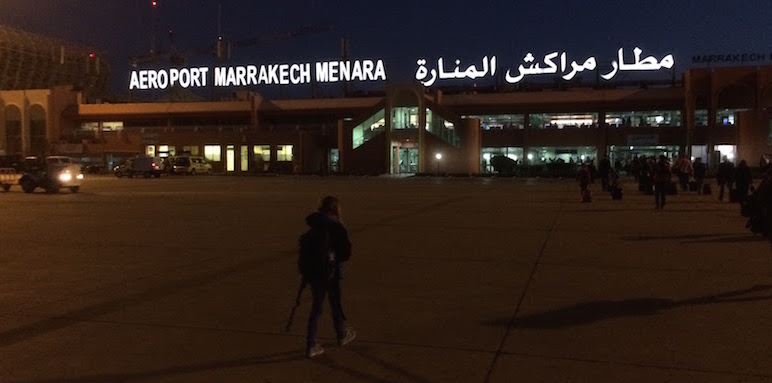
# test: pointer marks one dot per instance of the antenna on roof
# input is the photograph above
(220, 41)
(153, 24)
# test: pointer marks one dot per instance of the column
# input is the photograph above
(425, 159)
(3, 132)
(343, 148)
(601, 143)
(526, 137)
(26, 139)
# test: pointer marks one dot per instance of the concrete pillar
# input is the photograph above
(3, 132)
(98, 133)
(344, 146)
(254, 120)
(298, 161)
(709, 140)
(527, 130)
(601, 144)
(687, 126)
(688, 114)
(425, 159)
(470, 145)
(26, 134)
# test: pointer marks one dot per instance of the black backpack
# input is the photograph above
(314, 261)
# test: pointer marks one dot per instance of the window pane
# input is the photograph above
(212, 152)
(284, 153)
(192, 150)
(244, 158)
(262, 152)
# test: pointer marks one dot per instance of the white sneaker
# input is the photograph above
(314, 350)
(347, 337)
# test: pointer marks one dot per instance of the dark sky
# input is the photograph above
(401, 31)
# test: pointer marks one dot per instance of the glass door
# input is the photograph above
(244, 158)
(408, 160)
(230, 158)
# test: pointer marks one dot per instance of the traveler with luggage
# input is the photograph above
(662, 183)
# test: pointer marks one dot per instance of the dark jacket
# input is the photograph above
(725, 172)
(743, 175)
(699, 169)
(662, 172)
(339, 241)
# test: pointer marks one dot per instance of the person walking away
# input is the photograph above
(743, 180)
(685, 171)
(323, 250)
(662, 176)
(699, 173)
(604, 168)
(725, 177)
(583, 177)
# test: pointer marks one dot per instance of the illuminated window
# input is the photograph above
(166, 151)
(244, 158)
(404, 118)
(150, 150)
(89, 126)
(212, 152)
(112, 126)
(726, 152)
(262, 151)
(230, 158)
(192, 150)
(368, 129)
(284, 153)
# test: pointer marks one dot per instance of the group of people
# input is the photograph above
(320, 262)
(655, 175)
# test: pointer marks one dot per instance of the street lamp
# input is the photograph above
(438, 156)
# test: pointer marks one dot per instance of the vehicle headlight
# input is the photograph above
(64, 177)
(79, 176)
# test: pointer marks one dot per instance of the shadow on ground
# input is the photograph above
(282, 357)
(589, 312)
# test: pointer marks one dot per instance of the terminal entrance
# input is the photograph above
(404, 160)
(624, 152)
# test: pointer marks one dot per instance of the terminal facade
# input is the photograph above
(714, 113)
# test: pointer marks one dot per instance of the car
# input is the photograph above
(140, 165)
(191, 165)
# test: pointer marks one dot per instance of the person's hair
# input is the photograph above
(328, 204)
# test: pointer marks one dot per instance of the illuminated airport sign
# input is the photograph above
(554, 63)
(251, 75)
(730, 58)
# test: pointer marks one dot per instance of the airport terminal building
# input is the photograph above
(714, 113)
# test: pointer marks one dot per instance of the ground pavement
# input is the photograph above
(190, 279)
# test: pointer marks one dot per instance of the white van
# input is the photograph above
(191, 165)
(140, 165)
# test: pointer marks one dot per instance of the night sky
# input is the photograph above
(401, 31)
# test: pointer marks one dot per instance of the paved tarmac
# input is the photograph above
(191, 279)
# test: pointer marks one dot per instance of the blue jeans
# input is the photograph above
(319, 289)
